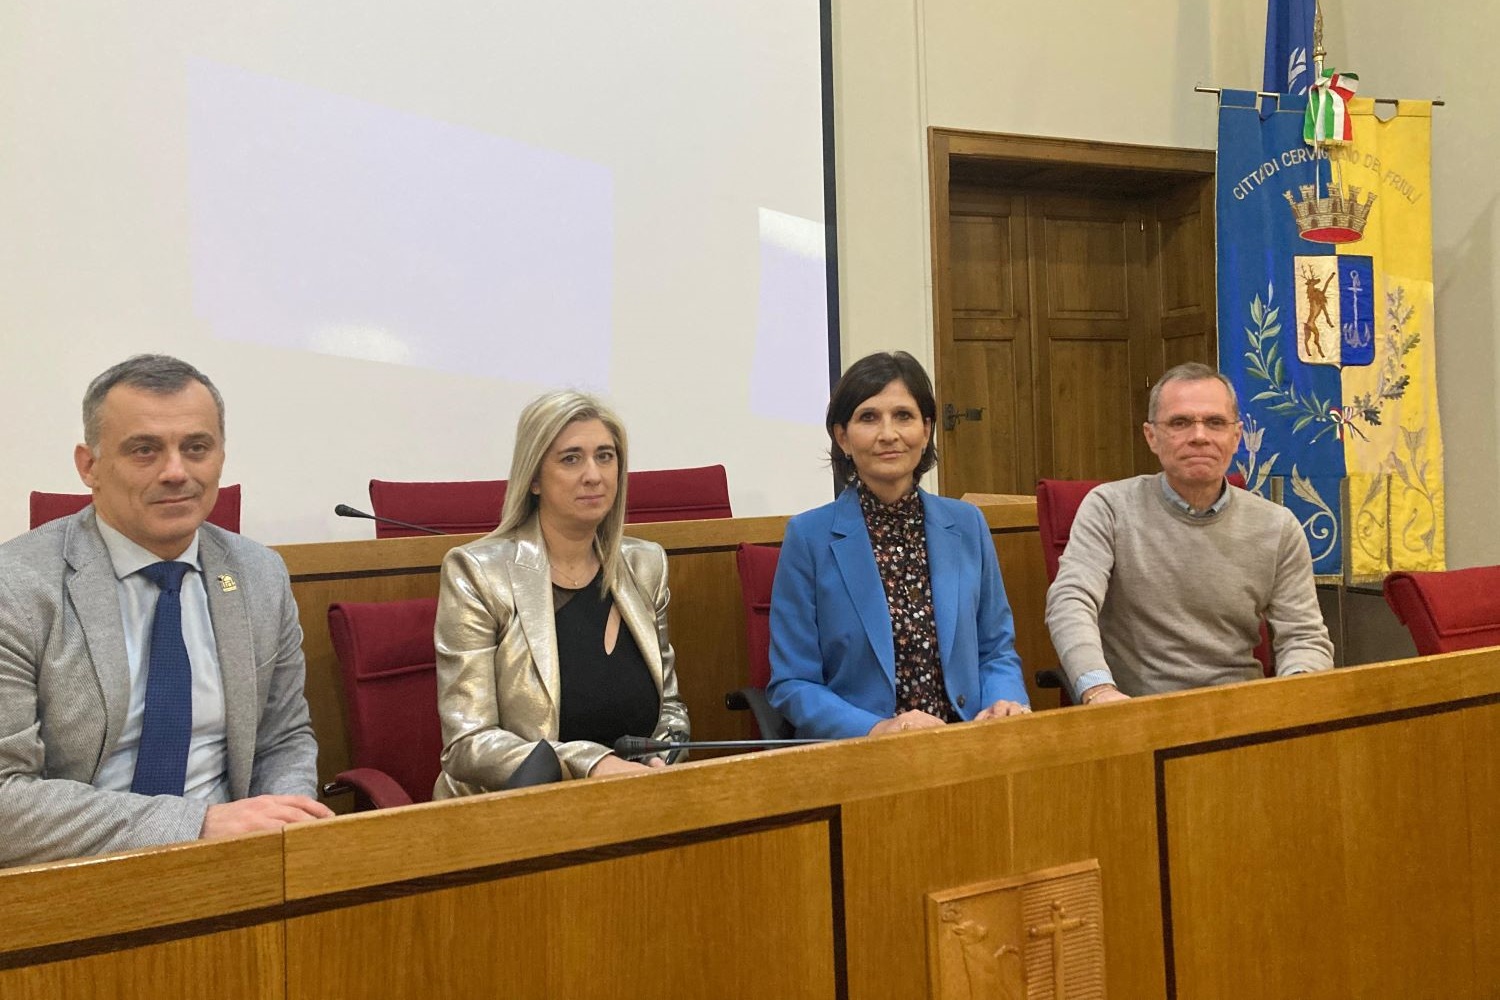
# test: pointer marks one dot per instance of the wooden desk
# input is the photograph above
(1332, 835)
(707, 617)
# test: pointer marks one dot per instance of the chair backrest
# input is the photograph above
(1448, 611)
(678, 495)
(1057, 503)
(387, 658)
(757, 566)
(456, 508)
(51, 506)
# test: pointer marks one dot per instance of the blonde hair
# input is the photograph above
(541, 422)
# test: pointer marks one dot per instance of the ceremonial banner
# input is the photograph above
(1285, 403)
(1325, 322)
(1393, 450)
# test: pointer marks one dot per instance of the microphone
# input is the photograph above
(344, 510)
(631, 747)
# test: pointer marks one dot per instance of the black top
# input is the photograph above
(898, 536)
(604, 695)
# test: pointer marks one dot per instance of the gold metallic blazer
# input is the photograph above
(497, 669)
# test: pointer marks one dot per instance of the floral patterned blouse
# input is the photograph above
(898, 535)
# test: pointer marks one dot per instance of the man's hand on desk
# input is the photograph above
(1101, 693)
(262, 812)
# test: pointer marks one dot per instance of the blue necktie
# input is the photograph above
(167, 724)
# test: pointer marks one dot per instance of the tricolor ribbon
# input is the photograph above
(1341, 422)
(1328, 108)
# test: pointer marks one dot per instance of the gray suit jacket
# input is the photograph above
(64, 690)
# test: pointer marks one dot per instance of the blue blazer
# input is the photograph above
(833, 659)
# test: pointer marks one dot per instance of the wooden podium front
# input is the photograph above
(1333, 835)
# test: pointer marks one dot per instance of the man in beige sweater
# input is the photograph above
(1166, 578)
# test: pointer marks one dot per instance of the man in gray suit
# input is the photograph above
(151, 665)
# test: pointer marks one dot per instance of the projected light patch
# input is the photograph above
(789, 369)
(328, 224)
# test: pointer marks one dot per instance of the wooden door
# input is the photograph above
(1062, 288)
(1093, 347)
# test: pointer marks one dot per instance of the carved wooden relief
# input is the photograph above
(1038, 936)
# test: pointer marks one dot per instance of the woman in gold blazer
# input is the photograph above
(554, 626)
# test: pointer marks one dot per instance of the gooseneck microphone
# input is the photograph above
(631, 747)
(344, 510)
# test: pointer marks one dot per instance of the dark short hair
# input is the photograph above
(866, 378)
(159, 374)
(1191, 371)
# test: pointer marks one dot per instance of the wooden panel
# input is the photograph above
(138, 891)
(984, 352)
(1024, 572)
(707, 619)
(1328, 835)
(147, 924)
(1336, 854)
(1178, 239)
(989, 455)
(983, 269)
(1092, 436)
(745, 916)
(1180, 350)
(898, 849)
(1103, 809)
(1180, 261)
(244, 964)
(1482, 764)
(1086, 268)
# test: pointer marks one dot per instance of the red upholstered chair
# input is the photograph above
(1448, 611)
(457, 508)
(51, 506)
(1057, 503)
(678, 495)
(757, 566)
(386, 655)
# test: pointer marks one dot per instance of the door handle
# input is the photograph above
(952, 415)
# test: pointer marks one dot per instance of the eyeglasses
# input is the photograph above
(1183, 426)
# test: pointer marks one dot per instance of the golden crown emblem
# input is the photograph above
(1338, 218)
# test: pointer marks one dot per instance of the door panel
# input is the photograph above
(985, 361)
(1091, 333)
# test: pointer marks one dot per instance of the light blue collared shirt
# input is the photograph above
(207, 764)
(1213, 509)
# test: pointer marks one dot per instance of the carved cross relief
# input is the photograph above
(1029, 937)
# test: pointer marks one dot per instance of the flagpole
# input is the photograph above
(1200, 89)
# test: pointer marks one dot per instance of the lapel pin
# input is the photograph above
(227, 584)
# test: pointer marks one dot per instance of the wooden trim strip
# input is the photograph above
(104, 944)
(86, 947)
(549, 862)
(1327, 726)
(836, 887)
(1165, 754)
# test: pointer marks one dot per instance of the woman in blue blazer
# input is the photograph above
(888, 611)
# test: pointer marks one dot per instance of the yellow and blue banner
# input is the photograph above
(1325, 326)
